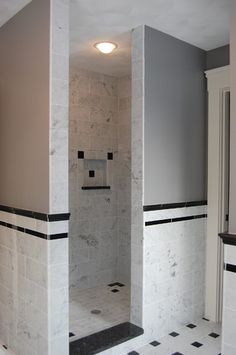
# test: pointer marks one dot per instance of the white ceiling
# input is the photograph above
(9, 8)
(203, 23)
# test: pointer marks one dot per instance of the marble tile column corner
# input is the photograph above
(137, 218)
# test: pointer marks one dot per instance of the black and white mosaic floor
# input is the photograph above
(98, 308)
(201, 337)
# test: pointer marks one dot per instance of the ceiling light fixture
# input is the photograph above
(105, 47)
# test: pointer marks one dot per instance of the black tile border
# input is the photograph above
(230, 267)
(166, 206)
(105, 339)
(36, 215)
(173, 220)
(228, 238)
(96, 187)
(34, 233)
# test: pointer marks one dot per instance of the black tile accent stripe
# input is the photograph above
(36, 215)
(165, 206)
(105, 339)
(228, 238)
(230, 267)
(95, 187)
(34, 233)
(172, 220)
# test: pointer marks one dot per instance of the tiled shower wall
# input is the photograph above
(100, 219)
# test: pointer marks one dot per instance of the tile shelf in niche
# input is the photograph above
(95, 187)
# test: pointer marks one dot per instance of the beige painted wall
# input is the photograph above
(24, 108)
(232, 202)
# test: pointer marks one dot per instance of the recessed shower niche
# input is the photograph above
(96, 168)
(99, 200)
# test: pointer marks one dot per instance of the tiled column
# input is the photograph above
(33, 245)
(57, 267)
(137, 176)
(59, 106)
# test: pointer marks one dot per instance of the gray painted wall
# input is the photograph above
(175, 120)
(24, 108)
(218, 57)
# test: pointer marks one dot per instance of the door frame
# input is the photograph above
(218, 85)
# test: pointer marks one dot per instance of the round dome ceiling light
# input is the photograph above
(105, 47)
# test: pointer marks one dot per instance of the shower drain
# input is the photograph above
(96, 311)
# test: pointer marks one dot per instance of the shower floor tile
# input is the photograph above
(98, 308)
(202, 337)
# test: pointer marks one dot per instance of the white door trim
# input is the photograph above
(218, 84)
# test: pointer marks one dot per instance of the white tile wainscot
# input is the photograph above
(174, 269)
(229, 297)
(33, 285)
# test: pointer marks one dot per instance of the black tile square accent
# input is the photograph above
(71, 334)
(205, 319)
(91, 173)
(133, 353)
(119, 284)
(155, 343)
(112, 284)
(197, 344)
(191, 326)
(177, 353)
(115, 290)
(109, 156)
(80, 154)
(214, 335)
(174, 334)
(5, 347)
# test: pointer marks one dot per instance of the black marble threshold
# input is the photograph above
(105, 339)
(228, 238)
(166, 206)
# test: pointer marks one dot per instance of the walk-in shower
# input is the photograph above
(100, 201)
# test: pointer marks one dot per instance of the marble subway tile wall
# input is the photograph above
(94, 225)
(229, 301)
(33, 286)
(174, 270)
